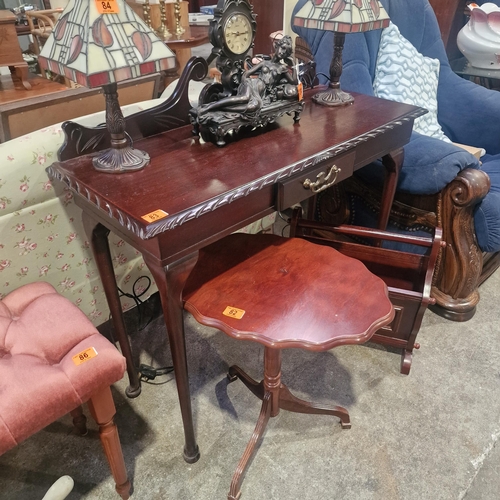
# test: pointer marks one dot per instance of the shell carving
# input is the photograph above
(143, 44)
(101, 34)
(61, 27)
(337, 9)
(75, 48)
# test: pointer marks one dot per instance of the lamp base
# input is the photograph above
(333, 96)
(120, 161)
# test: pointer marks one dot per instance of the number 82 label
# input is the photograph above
(233, 312)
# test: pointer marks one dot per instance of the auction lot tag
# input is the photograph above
(233, 312)
(154, 216)
(107, 6)
(83, 356)
(300, 91)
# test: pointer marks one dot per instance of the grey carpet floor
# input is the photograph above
(431, 435)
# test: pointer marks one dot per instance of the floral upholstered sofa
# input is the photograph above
(41, 233)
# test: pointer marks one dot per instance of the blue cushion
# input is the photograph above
(467, 112)
(487, 216)
(423, 171)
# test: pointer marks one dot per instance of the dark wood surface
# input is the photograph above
(335, 300)
(209, 192)
(269, 19)
(47, 102)
(451, 19)
(194, 5)
(13, 91)
(202, 178)
(192, 37)
(22, 30)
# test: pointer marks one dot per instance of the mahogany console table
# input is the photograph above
(194, 193)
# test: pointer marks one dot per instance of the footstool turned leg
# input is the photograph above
(102, 409)
(79, 421)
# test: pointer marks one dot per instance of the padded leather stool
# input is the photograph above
(52, 359)
(284, 292)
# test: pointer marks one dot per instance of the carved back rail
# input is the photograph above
(170, 114)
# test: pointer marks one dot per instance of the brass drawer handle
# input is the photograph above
(323, 181)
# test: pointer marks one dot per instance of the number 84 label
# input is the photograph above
(107, 6)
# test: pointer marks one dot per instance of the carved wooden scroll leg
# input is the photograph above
(458, 271)
(98, 236)
(102, 409)
(170, 281)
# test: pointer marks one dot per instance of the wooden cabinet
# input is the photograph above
(451, 19)
(269, 18)
(194, 5)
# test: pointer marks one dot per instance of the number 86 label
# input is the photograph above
(83, 356)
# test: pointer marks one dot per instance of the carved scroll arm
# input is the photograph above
(460, 263)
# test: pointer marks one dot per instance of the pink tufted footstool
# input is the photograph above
(52, 359)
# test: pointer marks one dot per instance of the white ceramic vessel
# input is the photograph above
(479, 39)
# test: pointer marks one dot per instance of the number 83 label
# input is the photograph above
(107, 6)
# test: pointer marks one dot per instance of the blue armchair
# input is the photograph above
(440, 183)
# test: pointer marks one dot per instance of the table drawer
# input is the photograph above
(324, 174)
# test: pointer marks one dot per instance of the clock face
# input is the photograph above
(238, 33)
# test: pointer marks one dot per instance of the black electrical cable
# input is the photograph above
(148, 373)
(136, 297)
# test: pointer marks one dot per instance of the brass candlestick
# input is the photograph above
(178, 28)
(146, 10)
(162, 31)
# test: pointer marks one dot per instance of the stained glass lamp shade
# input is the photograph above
(96, 44)
(341, 17)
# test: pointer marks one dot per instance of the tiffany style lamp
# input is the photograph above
(341, 17)
(99, 43)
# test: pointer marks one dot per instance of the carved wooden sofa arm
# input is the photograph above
(459, 268)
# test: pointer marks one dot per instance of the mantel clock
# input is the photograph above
(232, 34)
